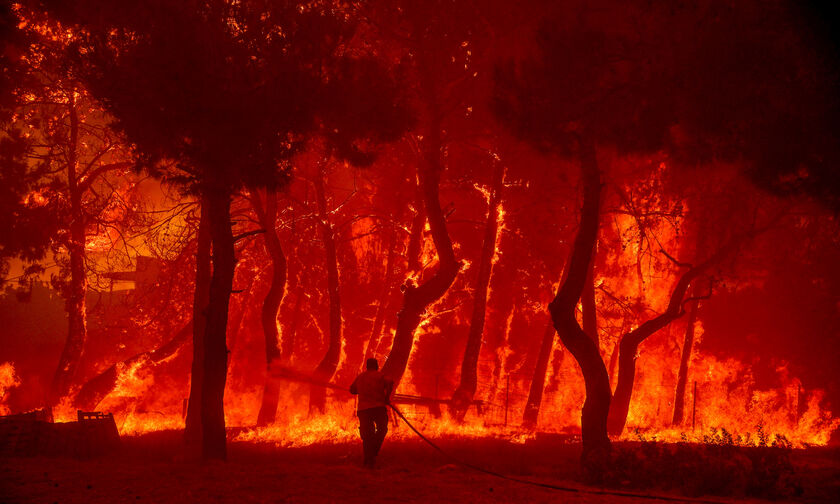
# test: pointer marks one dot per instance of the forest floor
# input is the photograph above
(151, 468)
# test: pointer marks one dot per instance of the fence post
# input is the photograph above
(507, 396)
(694, 406)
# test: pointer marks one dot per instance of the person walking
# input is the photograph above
(374, 390)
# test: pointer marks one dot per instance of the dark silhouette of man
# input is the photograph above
(374, 390)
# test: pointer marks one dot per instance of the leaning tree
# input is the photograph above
(567, 103)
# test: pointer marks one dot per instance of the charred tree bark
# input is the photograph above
(682, 376)
(384, 297)
(596, 443)
(76, 291)
(588, 306)
(415, 237)
(215, 344)
(271, 304)
(417, 299)
(201, 299)
(590, 327)
(629, 344)
(413, 266)
(328, 365)
(97, 388)
(590, 324)
(463, 395)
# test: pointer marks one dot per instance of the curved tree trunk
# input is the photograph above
(97, 388)
(537, 389)
(463, 395)
(682, 376)
(215, 334)
(629, 345)
(328, 365)
(596, 443)
(201, 299)
(588, 306)
(417, 299)
(271, 304)
(71, 355)
(627, 368)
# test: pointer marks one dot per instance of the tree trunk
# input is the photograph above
(413, 266)
(629, 344)
(463, 395)
(682, 376)
(596, 443)
(590, 327)
(417, 299)
(287, 344)
(271, 304)
(627, 353)
(201, 299)
(71, 355)
(215, 344)
(97, 388)
(328, 365)
(384, 296)
(588, 306)
(535, 393)
(415, 237)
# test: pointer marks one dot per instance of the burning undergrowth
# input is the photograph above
(8, 380)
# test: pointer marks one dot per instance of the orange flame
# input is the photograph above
(8, 381)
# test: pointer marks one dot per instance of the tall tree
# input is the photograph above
(75, 167)
(590, 327)
(329, 363)
(541, 103)
(464, 394)
(267, 216)
(235, 95)
(434, 38)
(200, 307)
(592, 87)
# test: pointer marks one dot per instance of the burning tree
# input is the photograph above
(75, 168)
(236, 94)
(595, 87)
(266, 210)
(646, 130)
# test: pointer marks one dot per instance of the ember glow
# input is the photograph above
(8, 380)
(523, 214)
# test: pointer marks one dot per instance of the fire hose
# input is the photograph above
(537, 483)
(289, 374)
